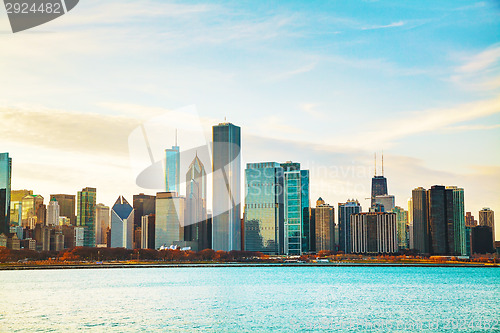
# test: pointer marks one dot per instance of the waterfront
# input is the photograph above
(250, 299)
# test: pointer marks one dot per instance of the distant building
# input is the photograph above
(374, 233)
(264, 208)
(401, 223)
(67, 203)
(16, 212)
(420, 229)
(79, 236)
(5, 184)
(172, 170)
(148, 231)
(226, 227)
(53, 213)
(345, 210)
(388, 201)
(102, 223)
(470, 221)
(482, 240)
(456, 221)
(122, 224)
(86, 202)
(169, 219)
(410, 224)
(325, 226)
(31, 209)
(487, 218)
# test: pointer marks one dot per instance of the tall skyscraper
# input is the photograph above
(31, 207)
(169, 219)
(401, 224)
(226, 221)
(172, 169)
(482, 240)
(195, 229)
(420, 221)
(52, 213)
(86, 214)
(297, 208)
(122, 224)
(5, 183)
(102, 223)
(143, 205)
(16, 211)
(456, 222)
(374, 233)
(67, 204)
(325, 226)
(148, 231)
(263, 218)
(487, 217)
(410, 224)
(345, 210)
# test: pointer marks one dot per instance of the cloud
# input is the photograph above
(463, 128)
(310, 109)
(392, 25)
(481, 61)
(288, 74)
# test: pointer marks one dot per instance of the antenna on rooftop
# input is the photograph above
(375, 164)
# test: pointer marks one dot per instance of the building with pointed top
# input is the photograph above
(122, 224)
(195, 217)
(52, 213)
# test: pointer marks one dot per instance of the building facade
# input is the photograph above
(401, 223)
(345, 210)
(195, 229)
(122, 224)
(169, 219)
(102, 223)
(324, 226)
(67, 203)
(86, 213)
(226, 168)
(374, 233)
(53, 213)
(172, 169)
(5, 184)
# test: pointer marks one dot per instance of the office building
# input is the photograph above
(456, 221)
(32, 205)
(410, 223)
(324, 226)
(226, 221)
(169, 219)
(374, 233)
(482, 240)
(67, 203)
(16, 212)
(297, 209)
(86, 213)
(386, 200)
(52, 213)
(420, 220)
(470, 221)
(102, 223)
(264, 208)
(5, 184)
(345, 210)
(195, 218)
(172, 169)
(122, 224)
(143, 205)
(148, 231)
(401, 224)
(487, 217)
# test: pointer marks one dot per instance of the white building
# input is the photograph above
(53, 213)
(122, 224)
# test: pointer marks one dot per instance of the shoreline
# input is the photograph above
(14, 267)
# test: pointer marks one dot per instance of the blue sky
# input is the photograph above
(322, 83)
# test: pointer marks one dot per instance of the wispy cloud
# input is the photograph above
(311, 109)
(392, 25)
(481, 61)
(288, 74)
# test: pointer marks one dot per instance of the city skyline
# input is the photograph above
(322, 83)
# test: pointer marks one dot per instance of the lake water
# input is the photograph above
(252, 299)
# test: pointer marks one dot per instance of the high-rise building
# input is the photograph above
(456, 222)
(470, 221)
(102, 223)
(173, 168)
(226, 221)
(410, 224)
(374, 233)
(195, 229)
(263, 218)
(420, 221)
(148, 231)
(439, 206)
(482, 239)
(16, 211)
(122, 224)
(86, 202)
(345, 210)
(324, 226)
(32, 205)
(386, 200)
(297, 208)
(487, 217)
(52, 213)
(4, 224)
(66, 205)
(169, 219)
(5, 183)
(143, 205)
(401, 224)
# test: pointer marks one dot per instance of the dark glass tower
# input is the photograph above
(5, 183)
(226, 167)
(86, 209)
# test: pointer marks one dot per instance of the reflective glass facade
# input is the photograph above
(169, 219)
(66, 205)
(401, 223)
(86, 214)
(172, 169)
(264, 208)
(457, 239)
(195, 229)
(345, 211)
(5, 183)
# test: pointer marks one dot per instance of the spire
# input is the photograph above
(176, 137)
(375, 164)
(382, 162)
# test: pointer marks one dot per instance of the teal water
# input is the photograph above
(252, 299)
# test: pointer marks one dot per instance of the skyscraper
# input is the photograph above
(401, 223)
(297, 208)
(345, 211)
(86, 202)
(195, 229)
(226, 221)
(374, 233)
(172, 169)
(148, 231)
(487, 218)
(53, 213)
(5, 183)
(456, 222)
(420, 221)
(102, 223)
(263, 218)
(470, 221)
(122, 224)
(16, 211)
(169, 219)
(31, 206)
(66, 205)
(325, 226)
(143, 205)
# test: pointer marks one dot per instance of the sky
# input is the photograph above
(326, 84)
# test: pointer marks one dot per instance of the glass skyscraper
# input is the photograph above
(296, 196)
(401, 223)
(457, 238)
(66, 205)
(169, 219)
(420, 228)
(226, 222)
(196, 228)
(345, 211)
(5, 184)
(172, 169)
(264, 204)
(86, 214)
